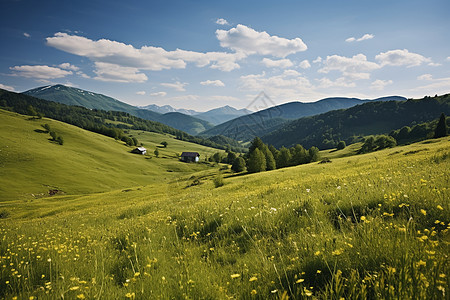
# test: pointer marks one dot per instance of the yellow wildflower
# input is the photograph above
(300, 280)
(423, 212)
(253, 279)
(233, 276)
(440, 207)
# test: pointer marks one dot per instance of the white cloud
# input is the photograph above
(287, 86)
(317, 60)
(401, 58)
(327, 83)
(116, 73)
(305, 64)
(27, 35)
(249, 41)
(39, 72)
(432, 64)
(144, 58)
(280, 63)
(222, 22)
(178, 86)
(158, 94)
(448, 58)
(141, 93)
(7, 87)
(68, 66)
(82, 75)
(356, 67)
(350, 39)
(212, 82)
(425, 77)
(380, 84)
(367, 36)
(437, 86)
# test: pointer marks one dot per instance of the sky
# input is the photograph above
(206, 54)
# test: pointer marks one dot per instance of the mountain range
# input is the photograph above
(246, 127)
(75, 96)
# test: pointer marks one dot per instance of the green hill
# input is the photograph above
(246, 127)
(371, 226)
(75, 96)
(326, 130)
(87, 162)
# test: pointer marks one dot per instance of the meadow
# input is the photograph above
(371, 226)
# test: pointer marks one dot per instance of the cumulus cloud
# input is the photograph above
(317, 60)
(222, 22)
(39, 72)
(356, 67)
(212, 82)
(178, 86)
(249, 41)
(380, 84)
(425, 77)
(432, 64)
(144, 58)
(280, 63)
(288, 85)
(327, 83)
(367, 36)
(27, 35)
(116, 73)
(7, 87)
(158, 94)
(68, 66)
(141, 93)
(305, 64)
(401, 58)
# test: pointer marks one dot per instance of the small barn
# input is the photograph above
(139, 150)
(190, 156)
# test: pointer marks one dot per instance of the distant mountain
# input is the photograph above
(75, 96)
(326, 130)
(246, 127)
(168, 109)
(222, 114)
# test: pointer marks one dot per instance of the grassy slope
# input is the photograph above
(86, 163)
(376, 223)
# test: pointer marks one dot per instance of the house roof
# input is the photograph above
(190, 154)
(142, 149)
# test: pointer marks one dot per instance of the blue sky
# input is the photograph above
(202, 54)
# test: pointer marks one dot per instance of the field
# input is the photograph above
(31, 165)
(371, 226)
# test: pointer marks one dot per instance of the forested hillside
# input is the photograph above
(109, 123)
(350, 125)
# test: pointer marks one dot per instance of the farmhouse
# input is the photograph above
(139, 150)
(189, 156)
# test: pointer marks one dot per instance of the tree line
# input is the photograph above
(262, 157)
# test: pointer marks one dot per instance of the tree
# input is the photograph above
(368, 146)
(441, 128)
(59, 139)
(299, 155)
(164, 144)
(231, 157)
(341, 145)
(238, 165)
(256, 143)
(384, 141)
(256, 162)
(283, 158)
(313, 154)
(31, 111)
(218, 180)
(156, 152)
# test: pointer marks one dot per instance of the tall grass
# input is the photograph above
(371, 226)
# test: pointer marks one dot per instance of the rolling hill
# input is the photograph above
(326, 130)
(31, 165)
(259, 123)
(75, 96)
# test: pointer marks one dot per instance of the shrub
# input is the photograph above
(238, 165)
(341, 145)
(218, 181)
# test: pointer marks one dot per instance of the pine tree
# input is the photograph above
(238, 165)
(283, 158)
(256, 162)
(441, 128)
